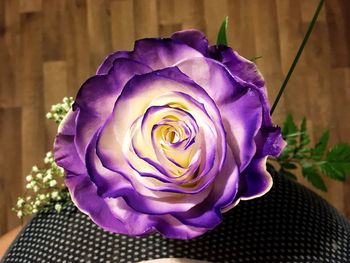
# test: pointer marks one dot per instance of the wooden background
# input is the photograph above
(49, 47)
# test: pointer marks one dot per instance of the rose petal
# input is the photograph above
(239, 103)
(193, 38)
(139, 224)
(65, 153)
(238, 65)
(255, 181)
(97, 96)
(68, 124)
(107, 63)
(83, 194)
(269, 142)
(116, 216)
(225, 188)
(141, 91)
(154, 52)
(114, 184)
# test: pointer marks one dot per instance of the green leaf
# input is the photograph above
(333, 171)
(290, 131)
(289, 127)
(304, 138)
(222, 38)
(337, 162)
(339, 152)
(321, 145)
(312, 175)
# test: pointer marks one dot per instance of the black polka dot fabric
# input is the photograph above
(289, 224)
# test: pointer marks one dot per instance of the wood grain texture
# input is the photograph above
(11, 180)
(51, 47)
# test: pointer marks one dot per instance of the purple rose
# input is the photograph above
(167, 137)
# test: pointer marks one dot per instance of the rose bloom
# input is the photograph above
(167, 137)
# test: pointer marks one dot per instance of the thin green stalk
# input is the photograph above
(300, 51)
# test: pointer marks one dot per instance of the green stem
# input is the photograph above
(300, 51)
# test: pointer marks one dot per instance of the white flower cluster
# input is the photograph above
(58, 111)
(47, 189)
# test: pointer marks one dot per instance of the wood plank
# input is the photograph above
(11, 180)
(166, 12)
(33, 133)
(241, 36)
(266, 34)
(167, 19)
(339, 36)
(98, 18)
(308, 8)
(190, 13)
(9, 45)
(53, 29)
(29, 6)
(214, 13)
(145, 18)
(68, 46)
(168, 30)
(77, 45)
(123, 29)
(55, 88)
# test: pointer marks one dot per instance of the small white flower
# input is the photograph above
(35, 169)
(29, 178)
(19, 214)
(55, 107)
(32, 183)
(48, 115)
(58, 207)
(39, 176)
(48, 157)
(49, 175)
(35, 188)
(37, 203)
(35, 210)
(52, 183)
(42, 197)
(29, 186)
(54, 194)
(20, 202)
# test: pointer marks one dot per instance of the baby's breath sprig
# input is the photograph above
(58, 111)
(45, 189)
